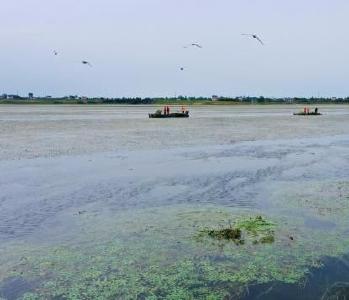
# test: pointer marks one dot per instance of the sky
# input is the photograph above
(136, 48)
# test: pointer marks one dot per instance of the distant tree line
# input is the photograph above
(171, 100)
(136, 100)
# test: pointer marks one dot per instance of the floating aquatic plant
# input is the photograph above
(257, 227)
(151, 254)
(225, 234)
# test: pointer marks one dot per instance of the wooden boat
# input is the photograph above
(171, 115)
(307, 114)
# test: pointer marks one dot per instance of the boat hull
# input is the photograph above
(309, 114)
(172, 115)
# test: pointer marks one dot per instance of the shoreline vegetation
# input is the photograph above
(74, 100)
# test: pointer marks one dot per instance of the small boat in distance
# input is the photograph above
(307, 112)
(166, 113)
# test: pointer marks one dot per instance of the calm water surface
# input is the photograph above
(100, 202)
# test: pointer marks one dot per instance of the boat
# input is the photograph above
(166, 114)
(307, 114)
(171, 115)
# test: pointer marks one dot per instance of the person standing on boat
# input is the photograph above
(168, 110)
(316, 110)
(305, 110)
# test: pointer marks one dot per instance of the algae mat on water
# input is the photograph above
(156, 254)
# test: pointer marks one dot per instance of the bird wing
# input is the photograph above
(196, 45)
(259, 40)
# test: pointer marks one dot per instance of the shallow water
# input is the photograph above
(100, 200)
(51, 131)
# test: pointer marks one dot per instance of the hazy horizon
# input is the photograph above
(136, 48)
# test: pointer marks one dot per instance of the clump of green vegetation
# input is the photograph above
(251, 227)
(256, 225)
(225, 233)
(269, 239)
(124, 257)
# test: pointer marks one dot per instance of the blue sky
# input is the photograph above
(136, 47)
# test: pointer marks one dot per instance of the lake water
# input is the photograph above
(101, 202)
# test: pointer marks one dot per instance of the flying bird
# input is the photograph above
(196, 45)
(193, 45)
(55, 52)
(84, 62)
(181, 68)
(255, 36)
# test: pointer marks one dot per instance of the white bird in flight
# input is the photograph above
(255, 36)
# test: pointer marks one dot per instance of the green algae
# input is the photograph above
(255, 225)
(224, 234)
(154, 254)
(258, 227)
(261, 230)
(268, 239)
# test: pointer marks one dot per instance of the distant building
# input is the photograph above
(215, 98)
(3, 96)
(30, 95)
(13, 97)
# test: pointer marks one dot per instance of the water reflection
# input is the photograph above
(331, 282)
